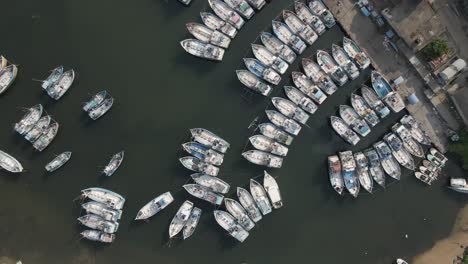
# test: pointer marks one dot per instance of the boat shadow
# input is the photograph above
(202, 66)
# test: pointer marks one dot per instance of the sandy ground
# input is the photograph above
(447, 250)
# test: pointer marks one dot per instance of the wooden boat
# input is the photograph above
(180, 218)
(216, 23)
(155, 206)
(272, 189)
(192, 222)
(334, 173)
(58, 161)
(248, 202)
(300, 99)
(213, 183)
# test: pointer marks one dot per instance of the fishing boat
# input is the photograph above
(236, 210)
(53, 77)
(47, 136)
(204, 193)
(345, 63)
(29, 119)
(300, 99)
(102, 210)
(385, 92)
(213, 183)
(262, 71)
(95, 101)
(192, 222)
(278, 48)
(364, 110)
(416, 130)
(257, 4)
(263, 158)
(304, 13)
(97, 222)
(459, 185)
(308, 87)
(319, 77)
(374, 102)
(438, 156)
(98, 236)
(114, 164)
(356, 53)
(334, 173)
(7, 77)
(216, 23)
(253, 82)
(226, 13)
(295, 24)
(329, 66)
(424, 177)
(389, 164)
(290, 109)
(375, 169)
(205, 34)
(267, 144)
(283, 33)
(228, 223)
(342, 129)
(61, 86)
(248, 202)
(348, 170)
(196, 165)
(433, 167)
(155, 206)
(102, 109)
(363, 171)
(203, 153)
(58, 161)
(38, 129)
(202, 50)
(3, 62)
(273, 132)
(9, 163)
(434, 160)
(260, 197)
(268, 59)
(209, 139)
(318, 8)
(272, 189)
(283, 122)
(180, 218)
(352, 119)
(399, 152)
(241, 7)
(107, 197)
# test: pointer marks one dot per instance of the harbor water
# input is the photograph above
(131, 48)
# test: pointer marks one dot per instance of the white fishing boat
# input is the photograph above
(95, 101)
(363, 171)
(375, 169)
(399, 152)
(459, 185)
(284, 34)
(53, 77)
(113, 164)
(268, 59)
(308, 87)
(330, 67)
(283, 122)
(348, 170)
(7, 77)
(228, 223)
(111, 199)
(97, 222)
(290, 109)
(101, 109)
(9, 163)
(205, 34)
(155, 206)
(236, 210)
(248, 202)
(389, 164)
(196, 165)
(304, 13)
(192, 222)
(277, 47)
(385, 92)
(262, 71)
(345, 62)
(260, 196)
(364, 110)
(427, 179)
(204, 193)
(180, 218)
(408, 142)
(441, 159)
(226, 13)
(202, 50)
(263, 158)
(417, 132)
(98, 236)
(374, 102)
(204, 153)
(209, 139)
(319, 77)
(273, 132)
(241, 7)
(342, 129)
(47, 136)
(298, 27)
(356, 53)
(300, 99)
(253, 82)
(3, 62)
(38, 129)
(267, 144)
(257, 4)
(352, 119)
(273, 191)
(61, 86)
(317, 7)
(334, 173)
(102, 210)
(213, 183)
(29, 119)
(216, 23)
(58, 161)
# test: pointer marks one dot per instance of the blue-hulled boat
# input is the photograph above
(380, 85)
(204, 153)
(348, 169)
(262, 71)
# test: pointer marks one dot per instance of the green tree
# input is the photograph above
(461, 148)
(435, 49)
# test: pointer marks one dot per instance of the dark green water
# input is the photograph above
(131, 48)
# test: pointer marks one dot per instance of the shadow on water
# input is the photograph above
(203, 67)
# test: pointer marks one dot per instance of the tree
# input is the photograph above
(461, 148)
(435, 49)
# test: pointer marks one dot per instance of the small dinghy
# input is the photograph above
(389, 164)
(53, 77)
(272, 189)
(408, 142)
(180, 218)
(97, 222)
(308, 87)
(300, 99)
(213, 183)
(364, 111)
(216, 23)
(203, 153)
(111, 199)
(192, 222)
(29, 119)
(257, 4)
(334, 173)
(298, 27)
(363, 171)
(263, 158)
(58, 161)
(209, 139)
(155, 206)
(228, 223)
(290, 109)
(268, 59)
(248, 202)
(236, 209)
(374, 102)
(260, 197)
(345, 62)
(95, 101)
(317, 7)
(98, 236)
(102, 210)
(205, 34)
(319, 77)
(273, 132)
(253, 82)
(352, 119)
(196, 165)
(342, 129)
(267, 144)
(114, 164)
(416, 130)
(356, 53)
(47, 136)
(61, 86)
(348, 169)
(241, 7)
(459, 185)
(283, 122)
(284, 34)
(226, 13)
(277, 47)
(39, 128)
(329, 66)
(262, 71)
(399, 152)
(7, 77)
(9, 163)
(101, 109)
(375, 169)
(204, 193)
(304, 13)
(202, 50)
